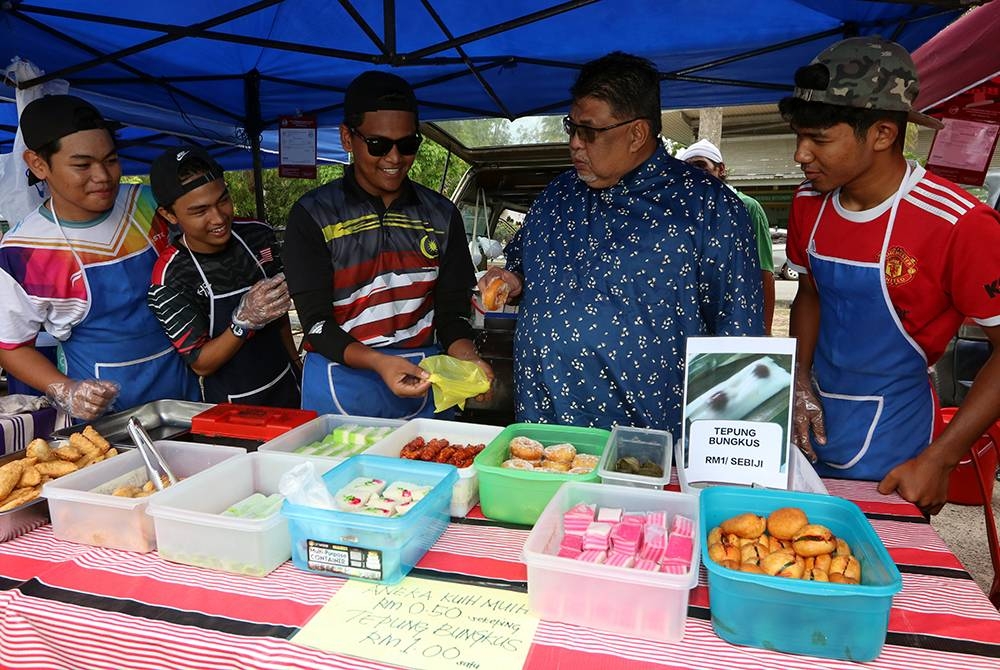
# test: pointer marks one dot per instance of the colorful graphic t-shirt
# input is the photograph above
(41, 283)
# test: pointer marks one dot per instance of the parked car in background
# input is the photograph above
(509, 166)
(779, 237)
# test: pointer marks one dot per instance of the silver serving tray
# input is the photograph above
(23, 518)
(162, 419)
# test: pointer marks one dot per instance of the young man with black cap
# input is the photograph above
(378, 266)
(218, 290)
(893, 259)
(78, 267)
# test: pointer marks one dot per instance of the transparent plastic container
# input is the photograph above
(191, 529)
(83, 510)
(466, 493)
(321, 427)
(637, 603)
(646, 446)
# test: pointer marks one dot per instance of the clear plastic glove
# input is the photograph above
(265, 301)
(807, 414)
(84, 399)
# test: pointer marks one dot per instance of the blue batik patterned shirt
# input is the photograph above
(616, 280)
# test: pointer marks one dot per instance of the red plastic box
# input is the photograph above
(249, 422)
(963, 489)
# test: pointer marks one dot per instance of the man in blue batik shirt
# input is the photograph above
(621, 260)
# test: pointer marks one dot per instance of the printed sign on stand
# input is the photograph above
(963, 149)
(737, 411)
(297, 147)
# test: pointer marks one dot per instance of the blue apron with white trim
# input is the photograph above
(871, 376)
(120, 339)
(333, 388)
(259, 373)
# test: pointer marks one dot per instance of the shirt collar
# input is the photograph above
(407, 195)
(635, 178)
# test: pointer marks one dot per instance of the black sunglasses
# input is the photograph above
(589, 133)
(380, 146)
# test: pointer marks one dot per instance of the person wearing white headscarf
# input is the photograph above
(705, 155)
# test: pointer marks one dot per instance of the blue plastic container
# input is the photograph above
(841, 621)
(382, 550)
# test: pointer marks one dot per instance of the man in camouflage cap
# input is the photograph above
(891, 259)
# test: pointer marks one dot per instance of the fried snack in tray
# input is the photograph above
(439, 450)
(21, 480)
(147, 489)
(560, 458)
(783, 544)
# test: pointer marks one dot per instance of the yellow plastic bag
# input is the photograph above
(454, 381)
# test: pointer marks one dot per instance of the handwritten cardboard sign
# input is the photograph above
(425, 624)
(737, 410)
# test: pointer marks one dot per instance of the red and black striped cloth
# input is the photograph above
(74, 607)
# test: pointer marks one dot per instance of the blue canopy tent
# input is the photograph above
(245, 65)
(149, 135)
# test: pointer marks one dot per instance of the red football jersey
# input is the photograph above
(942, 262)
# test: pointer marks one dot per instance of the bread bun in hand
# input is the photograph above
(495, 294)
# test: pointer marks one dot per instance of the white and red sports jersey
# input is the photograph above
(943, 258)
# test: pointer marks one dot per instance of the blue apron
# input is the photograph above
(259, 373)
(333, 388)
(871, 376)
(120, 340)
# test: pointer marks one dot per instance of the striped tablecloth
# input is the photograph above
(72, 607)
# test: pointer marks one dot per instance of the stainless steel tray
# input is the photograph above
(162, 419)
(26, 517)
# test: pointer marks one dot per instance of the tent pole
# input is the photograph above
(251, 95)
(444, 174)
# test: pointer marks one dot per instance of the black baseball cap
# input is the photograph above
(374, 90)
(45, 120)
(164, 174)
(53, 117)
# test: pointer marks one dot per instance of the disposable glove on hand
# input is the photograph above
(807, 413)
(84, 399)
(263, 303)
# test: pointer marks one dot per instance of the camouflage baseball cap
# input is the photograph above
(867, 72)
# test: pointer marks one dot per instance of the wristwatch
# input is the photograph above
(239, 331)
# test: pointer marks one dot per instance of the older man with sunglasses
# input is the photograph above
(378, 267)
(620, 260)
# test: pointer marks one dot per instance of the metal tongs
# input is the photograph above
(156, 467)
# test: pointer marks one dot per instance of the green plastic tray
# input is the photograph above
(519, 496)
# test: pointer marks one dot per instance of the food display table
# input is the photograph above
(72, 606)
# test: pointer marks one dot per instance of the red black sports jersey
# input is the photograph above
(179, 295)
